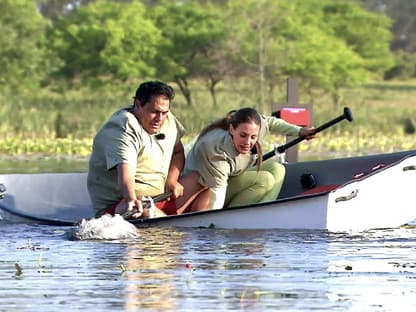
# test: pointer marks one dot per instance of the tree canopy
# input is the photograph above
(328, 44)
(23, 59)
(106, 40)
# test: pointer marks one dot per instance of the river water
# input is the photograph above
(178, 269)
(174, 269)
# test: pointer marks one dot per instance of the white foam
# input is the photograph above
(106, 227)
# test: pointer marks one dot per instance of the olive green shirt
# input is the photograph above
(123, 140)
(215, 158)
(272, 124)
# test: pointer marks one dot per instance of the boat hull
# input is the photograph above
(351, 194)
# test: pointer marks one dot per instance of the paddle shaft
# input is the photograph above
(161, 197)
(280, 149)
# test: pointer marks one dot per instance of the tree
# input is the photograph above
(257, 36)
(322, 60)
(404, 24)
(106, 41)
(191, 33)
(367, 34)
(54, 9)
(330, 45)
(22, 52)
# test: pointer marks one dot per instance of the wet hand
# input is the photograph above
(130, 209)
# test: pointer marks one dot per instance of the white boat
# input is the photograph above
(345, 194)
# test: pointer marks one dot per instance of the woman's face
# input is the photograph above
(245, 136)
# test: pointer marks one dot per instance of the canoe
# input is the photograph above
(344, 194)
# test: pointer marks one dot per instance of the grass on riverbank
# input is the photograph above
(326, 145)
(50, 125)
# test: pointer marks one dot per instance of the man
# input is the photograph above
(137, 152)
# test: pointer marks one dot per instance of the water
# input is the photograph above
(173, 269)
(30, 165)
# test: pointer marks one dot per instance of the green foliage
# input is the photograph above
(380, 112)
(45, 147)
(409, 126)
(192, 33)
(107, 41)
(404, 66)
(54, 9)
(21, 46)
(404, 26)
(238, 52)
(367, 34)
(322, 61)
(329, 45)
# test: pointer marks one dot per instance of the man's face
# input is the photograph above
(153, 114)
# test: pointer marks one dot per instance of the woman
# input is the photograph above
(236, 194)
(224, 149)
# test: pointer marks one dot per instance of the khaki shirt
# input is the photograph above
(215, 158)
(276, 125)
(123, 140)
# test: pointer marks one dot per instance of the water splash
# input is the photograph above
(106, 227)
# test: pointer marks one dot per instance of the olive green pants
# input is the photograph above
(255, 186)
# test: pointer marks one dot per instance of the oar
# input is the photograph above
(280, 149)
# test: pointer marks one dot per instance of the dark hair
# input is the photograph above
(234, 118)
(148, 89)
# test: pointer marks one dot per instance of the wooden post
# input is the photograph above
(292, 100)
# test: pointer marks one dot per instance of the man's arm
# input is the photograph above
(176, 166)
(125, 174)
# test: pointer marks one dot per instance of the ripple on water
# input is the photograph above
(208, 269)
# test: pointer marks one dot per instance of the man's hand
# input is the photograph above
(131, 209)
(175, 188)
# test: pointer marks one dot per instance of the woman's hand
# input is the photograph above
(308, 133)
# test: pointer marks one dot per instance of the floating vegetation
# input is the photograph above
(41, 268)
(18, 268)
(122, 268)
(47, 146)
(32, 246)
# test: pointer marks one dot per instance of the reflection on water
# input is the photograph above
(167, 269)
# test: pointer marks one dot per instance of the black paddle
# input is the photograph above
(280, 149)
